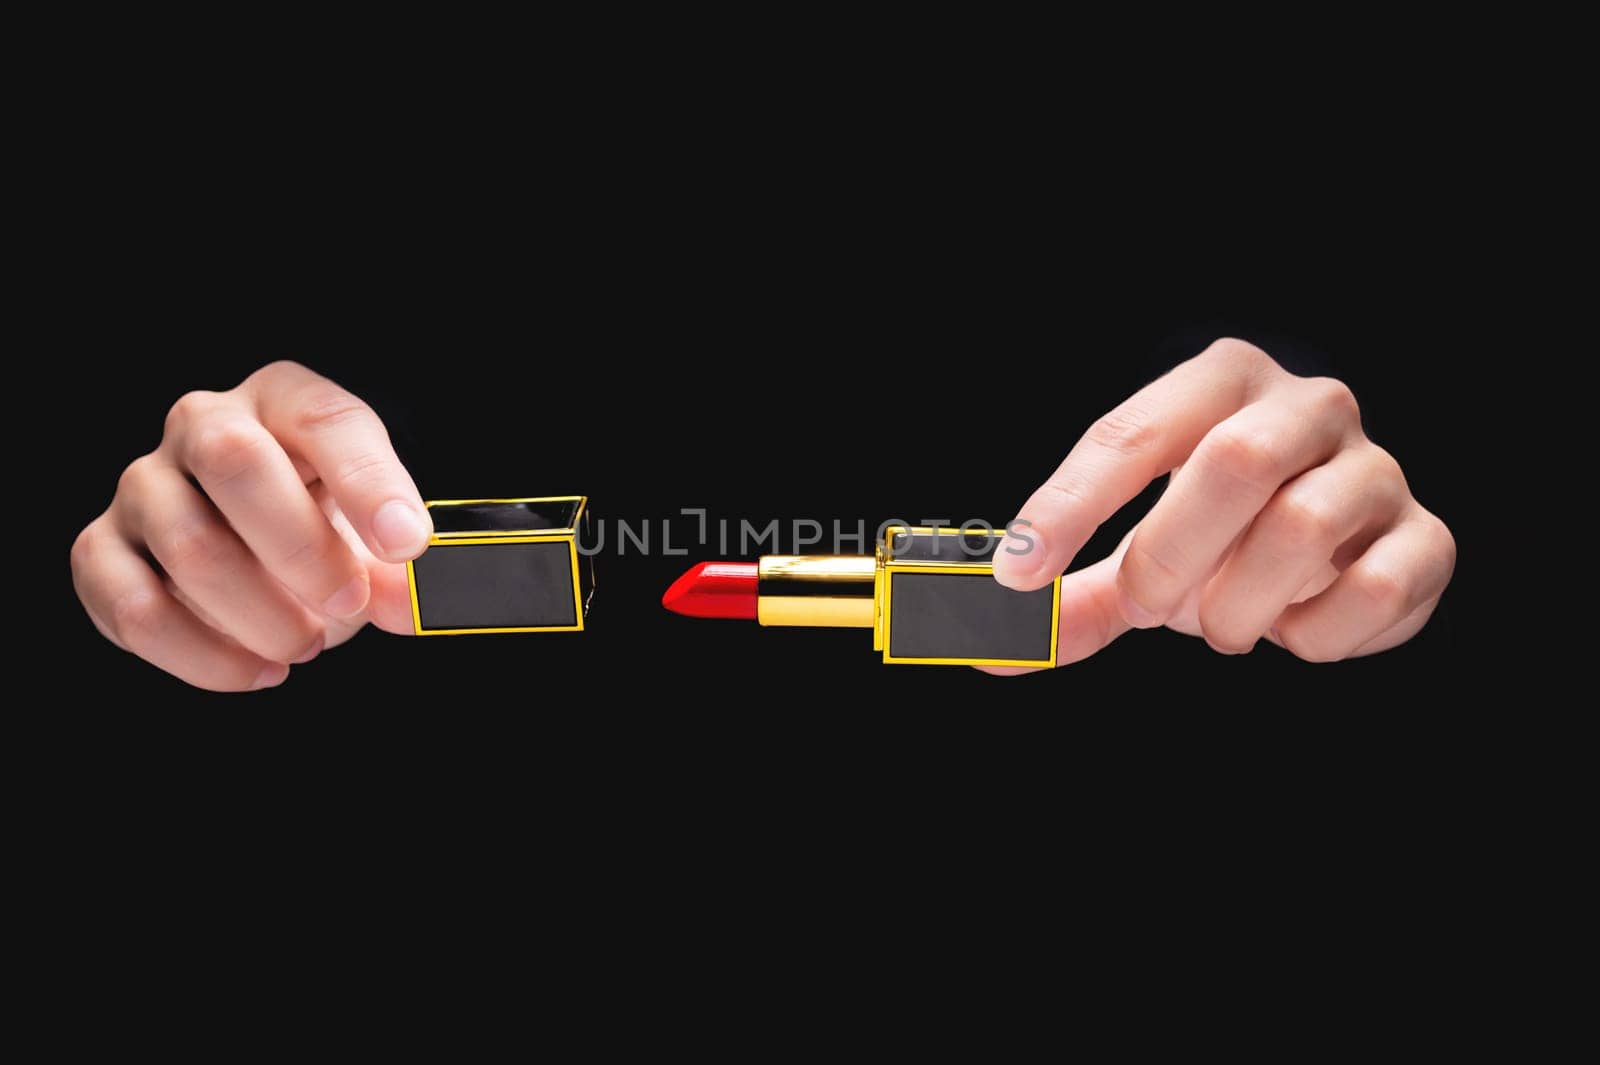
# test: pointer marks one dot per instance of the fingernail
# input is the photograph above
(313, 651)
(271, 675)
(1135, 613)
(399, 528)
(1017, 559)
(347, 601)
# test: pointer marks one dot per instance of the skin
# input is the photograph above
(1281, 520)
(274, 520)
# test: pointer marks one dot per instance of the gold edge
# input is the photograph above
(570, 530)
(888, 592)
(523, 499)
(938, 567)
(452, 537)
(519, 628)
(944, 530)
(511, 538)
(877, 600)
(577, 590)
(1055, 624)
(1043, 663)
(891, 568)
(416, 607)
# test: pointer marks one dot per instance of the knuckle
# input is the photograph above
(291, 641)
(1236, 356)
(1334, 399)
(226, 448)
(1301, 518)
(1069, 487)
(84, 548)
(1385, 467)
(1244, 454)
(327, 407)
(1446, 540)
(135, 617)
(192, 545)
(278, 372)
(1442, 548)
(311, 554)
(1126, 430)
(136, 476)
(368, 467)
(190, 407)
(1144, 572)
(1387, 591)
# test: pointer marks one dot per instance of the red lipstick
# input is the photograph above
(715, 590)
(929, 595)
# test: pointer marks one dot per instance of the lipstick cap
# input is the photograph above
(939, 604)
(502, 565)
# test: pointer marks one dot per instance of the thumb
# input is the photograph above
(389, 599)
(1090, 619)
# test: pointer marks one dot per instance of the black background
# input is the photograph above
(825, 323)
(830, 292)
(843, 358)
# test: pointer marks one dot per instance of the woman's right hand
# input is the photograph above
(272, 522)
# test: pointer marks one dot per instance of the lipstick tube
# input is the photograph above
(928, 595)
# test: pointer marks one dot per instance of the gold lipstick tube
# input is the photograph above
(929, 595)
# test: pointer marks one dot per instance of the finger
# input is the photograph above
(347, 445)
(124, 595)
(85, 557)
(253, 483)
(1090, 620)
(389, 607)
(1146, 436)
(214, 572)
(1236, 468)
(1400, 633)
(1358, 492)
(1400, 572)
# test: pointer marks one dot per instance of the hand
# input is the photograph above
(268, 525)
(1281, 519)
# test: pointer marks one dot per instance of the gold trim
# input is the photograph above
(818, 591)
(779, 573)
(508, 538)
(519, 499)
(943, 530)
(816, 611)
(416, 608)
(877, 598)
(973, 568)
(578, 605)
(455, 537)
(541, 537)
